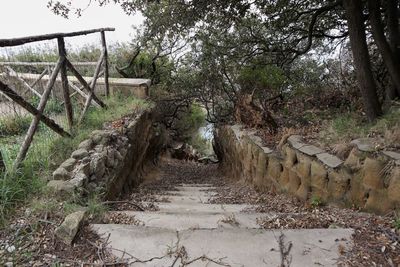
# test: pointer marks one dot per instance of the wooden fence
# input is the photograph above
(57, 68)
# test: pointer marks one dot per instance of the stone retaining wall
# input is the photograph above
(113, 160)
(368, 180)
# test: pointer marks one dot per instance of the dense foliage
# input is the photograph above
(225, 49)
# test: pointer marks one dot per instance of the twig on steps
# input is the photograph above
(203, 258)
(124, 202)
(286, 258)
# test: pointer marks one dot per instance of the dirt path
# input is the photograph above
(194, 215)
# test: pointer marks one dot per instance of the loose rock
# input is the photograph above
(68, 229)
(61, 186)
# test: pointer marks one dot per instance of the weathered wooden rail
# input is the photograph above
(53, 70)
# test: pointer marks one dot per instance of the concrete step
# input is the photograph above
(233, 247)
(192, 188)
(196, 185)
(184, 199)
(199, 207)
(188, 194)
(197, 220)
(198, 194)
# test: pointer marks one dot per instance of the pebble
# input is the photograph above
(28, 212)
(9, 264)
(10, 249)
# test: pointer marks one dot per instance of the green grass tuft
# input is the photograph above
(14, 125)
(316, 202)
(397, 224)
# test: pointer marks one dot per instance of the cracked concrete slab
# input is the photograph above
(364, 144)
(198, 194)
(392, 154)
(195, 185)
(184, 199)
(198, 220)
(311, 150)
(296, 141)
(330, 160)
(215, 234)
(200, 207)
(188, 194)
(195, 188)
(234, 247)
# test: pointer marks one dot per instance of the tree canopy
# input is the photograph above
(220, 49)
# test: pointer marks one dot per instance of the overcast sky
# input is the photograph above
(31, 17)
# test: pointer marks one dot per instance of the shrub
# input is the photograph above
(201, 144)
(189, 122)
(14, 125)
(316, 202)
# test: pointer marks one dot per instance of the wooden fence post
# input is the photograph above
(35, 122)
(79, 91)
(14, 97)
(85, 84)
(64, 80)
(46, 71)
(105, 52)
(93, 86)
(29, 88)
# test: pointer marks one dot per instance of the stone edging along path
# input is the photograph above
(113, 160)
(367, 180)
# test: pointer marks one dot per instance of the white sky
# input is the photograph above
(21, 18)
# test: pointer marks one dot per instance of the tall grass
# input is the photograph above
(49, 150)
(348, 126)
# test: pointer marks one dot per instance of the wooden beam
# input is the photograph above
(46, 70)
(105, 51)
(79, 90)
(13, 96)
(35, 122)
(84, 83)
(64, 82)
(17, 63)
(93, 86)
(36, 38)
(15, 74)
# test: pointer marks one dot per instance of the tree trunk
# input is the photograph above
(362, 63)
(392, 11)
(2, 164)
(392, 63)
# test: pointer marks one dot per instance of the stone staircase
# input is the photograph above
(187, 231)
